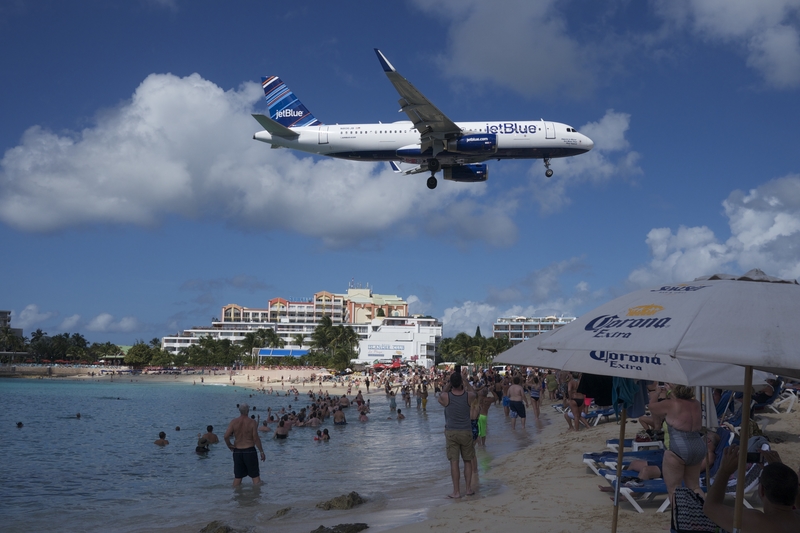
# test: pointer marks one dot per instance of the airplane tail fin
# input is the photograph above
(284, 107)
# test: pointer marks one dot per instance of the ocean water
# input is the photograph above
(102, 472)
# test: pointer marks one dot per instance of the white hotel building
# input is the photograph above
(520, 328)
(383, 316)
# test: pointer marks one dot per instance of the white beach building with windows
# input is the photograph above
(520, 328)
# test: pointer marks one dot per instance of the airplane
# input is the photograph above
(429, 140)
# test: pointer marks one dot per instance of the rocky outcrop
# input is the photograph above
(342, 528)
(281, 512)
(345, 501)
(219, 527)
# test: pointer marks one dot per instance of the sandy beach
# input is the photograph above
(546, 485)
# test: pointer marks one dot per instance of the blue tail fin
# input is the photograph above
(283, 105)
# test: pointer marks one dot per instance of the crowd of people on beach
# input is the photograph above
(672, 414)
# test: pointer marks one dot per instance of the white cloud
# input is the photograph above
(519, 44)
(539, 293)
(104, 322)
(611, 158)
(767, 30)
(29, 317)
(765, 234)
(69, 323)
(182, 146)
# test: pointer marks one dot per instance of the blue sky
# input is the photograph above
(134, 202)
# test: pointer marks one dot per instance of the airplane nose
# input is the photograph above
(587, 143)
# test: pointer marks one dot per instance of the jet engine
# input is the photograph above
(467, 173)
(484, 143)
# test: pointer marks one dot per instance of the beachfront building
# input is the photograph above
(412, 339)
(5, 322)
(520, 328)
(295, 318)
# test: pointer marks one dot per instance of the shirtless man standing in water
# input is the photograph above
(245, 433)
(516, 397)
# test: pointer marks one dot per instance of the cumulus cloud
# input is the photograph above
(611, 158)
(30, 316)
(104, 322)
(182, 146)
(767, 31)
(512, 44)
(765, 233)
(70, 323)
(552, 290)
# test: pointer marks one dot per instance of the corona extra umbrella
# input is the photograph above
(749, 320)
(629, 365)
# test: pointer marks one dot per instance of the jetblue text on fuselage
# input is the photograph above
(510, 127)
(603, 324)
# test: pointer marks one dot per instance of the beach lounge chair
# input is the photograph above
(613, 444)
(787, 396)
(601, 413)
(607, 459)
(652, 488)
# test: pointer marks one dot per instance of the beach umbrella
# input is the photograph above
(672, 370)
(749, 320)
(634, 365)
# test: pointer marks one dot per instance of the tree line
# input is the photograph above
(331, 346)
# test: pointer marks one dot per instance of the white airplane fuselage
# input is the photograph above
(396, 141)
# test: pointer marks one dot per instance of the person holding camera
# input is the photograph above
(458, 430)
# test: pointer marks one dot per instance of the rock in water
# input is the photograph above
(346, 501)
(342, 528)
(217, 527)
(281, 512)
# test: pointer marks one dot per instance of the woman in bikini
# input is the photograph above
(687, 446)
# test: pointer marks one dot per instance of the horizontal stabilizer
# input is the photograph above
(275, 128)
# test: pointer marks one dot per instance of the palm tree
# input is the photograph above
(298, 339)
(323, 335)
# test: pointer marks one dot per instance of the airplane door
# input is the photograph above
(323, 135)
(549, 130)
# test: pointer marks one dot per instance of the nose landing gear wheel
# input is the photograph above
(432, 182)
(549, 171)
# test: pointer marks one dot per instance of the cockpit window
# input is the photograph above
(572, 130)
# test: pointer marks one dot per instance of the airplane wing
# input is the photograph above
(415, 170)
(433, 126)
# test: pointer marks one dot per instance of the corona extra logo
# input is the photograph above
(644, 310)
(679, 288)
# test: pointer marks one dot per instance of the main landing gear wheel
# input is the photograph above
(432, 182)
(549, 171)
(434, 166)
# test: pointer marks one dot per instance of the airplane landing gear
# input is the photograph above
(432, 182)
(549, 171)
(434, 165)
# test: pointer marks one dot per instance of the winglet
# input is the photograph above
(387, 67)
(395, 167)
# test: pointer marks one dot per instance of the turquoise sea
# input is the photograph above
(102, 472)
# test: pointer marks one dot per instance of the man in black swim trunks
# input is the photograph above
(245, 433)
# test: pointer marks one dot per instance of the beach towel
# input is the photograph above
(687, 513)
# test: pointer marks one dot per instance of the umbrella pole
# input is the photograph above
(620, 454)
(744, 436)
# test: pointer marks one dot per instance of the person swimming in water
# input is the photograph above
(281, 432)
(161, 440)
